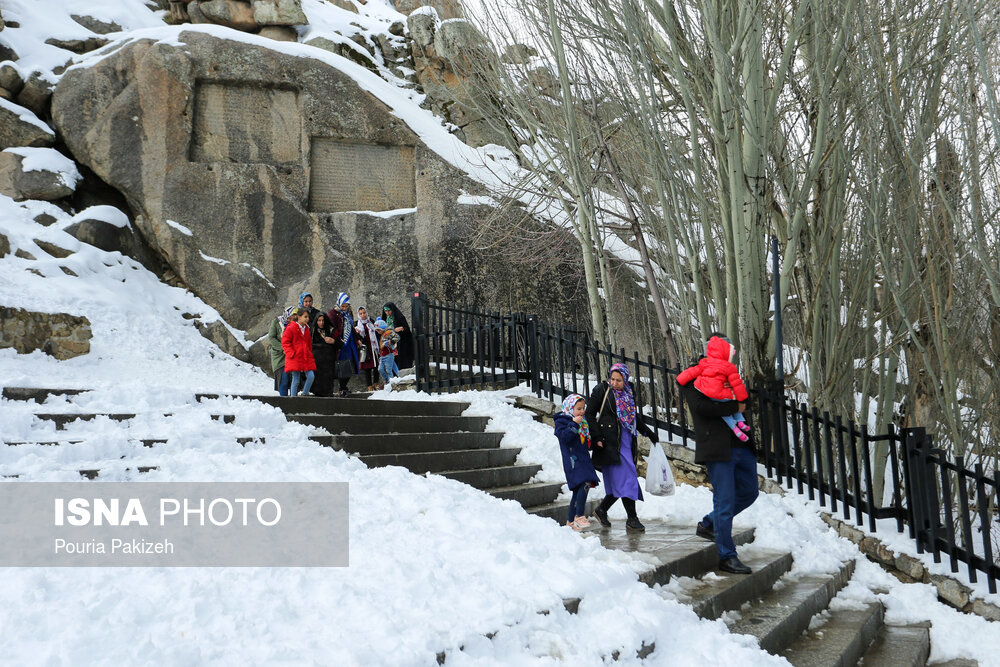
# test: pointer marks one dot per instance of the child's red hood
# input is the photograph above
(718, 348)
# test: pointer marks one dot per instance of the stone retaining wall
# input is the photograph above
(59, 335)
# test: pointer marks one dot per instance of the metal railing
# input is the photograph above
(944, 506)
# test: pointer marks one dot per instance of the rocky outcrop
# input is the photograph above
(58, 335)
(252, 186)
(36, 173)
(446, 9)
(448, 57)
(232, 13)
(268, 18)
(218, 333)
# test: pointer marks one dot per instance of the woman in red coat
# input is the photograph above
(296, 341)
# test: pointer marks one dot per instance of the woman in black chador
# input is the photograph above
(395, 320)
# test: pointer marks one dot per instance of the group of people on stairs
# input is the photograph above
(312, 351)
(600, 434)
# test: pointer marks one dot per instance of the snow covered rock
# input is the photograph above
(37, 173)
(20, 127)
(446, 9)
(58, 335)
(444, 54)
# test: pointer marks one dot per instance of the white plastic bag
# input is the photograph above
(659, 476)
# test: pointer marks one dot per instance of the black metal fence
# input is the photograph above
(945, 507)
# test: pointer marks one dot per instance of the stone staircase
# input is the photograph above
(421, 436)
(797, 617)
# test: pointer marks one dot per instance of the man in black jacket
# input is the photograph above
(732, 469)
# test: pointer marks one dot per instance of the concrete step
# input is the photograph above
(61, 420)
(900, 646)
(409, 443)
(370, 424)
(781, 615)
(840, 640)
(558, 511)
(491, 478)
(679, 552)
(94, 473)
(353, 406)
(720, 592)
(461, 459)
(37, 395)
(528, 495)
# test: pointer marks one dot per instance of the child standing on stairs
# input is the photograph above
(573, 433)
(717, 378)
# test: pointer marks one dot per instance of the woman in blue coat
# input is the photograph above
(573, 433)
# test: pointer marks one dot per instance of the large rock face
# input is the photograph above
(257, 175)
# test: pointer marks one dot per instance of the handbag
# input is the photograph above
(345, 369)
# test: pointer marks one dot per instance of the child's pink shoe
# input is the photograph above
(745, 426)
(582, 521)
(740, 434)
(574, 525)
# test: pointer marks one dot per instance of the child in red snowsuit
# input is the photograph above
(718, 378)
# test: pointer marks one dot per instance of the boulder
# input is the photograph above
(279, 12)
(218, 333)
(78, 45)
(446, 9)
(345, 4)
(99, 227)
(20, 127)
(52, 249)
(281, 33)
(7, 53)
(36, 94)
(10, 79)
(96, 25)
(319, 193)
(231, 13)
(193, 13)
(36, 173)
(519, 54)
(58, 335)
(4, 246)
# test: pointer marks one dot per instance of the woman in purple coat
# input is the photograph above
(615, 423)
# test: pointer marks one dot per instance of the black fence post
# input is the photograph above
(421, 366)
(922, 489)
(532, 344)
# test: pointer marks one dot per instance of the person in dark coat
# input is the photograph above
(573, 433)
(396, 321)
(282, 380)
(615, 422)
(325, 349)
(306, 302)
(342, 320)
(732, 469)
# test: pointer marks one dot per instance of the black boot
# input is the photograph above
(634, 525)
(703, 532)
(602, 510)
(733, 565)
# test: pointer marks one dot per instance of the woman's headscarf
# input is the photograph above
(567, 407)
(302, 298)
(285, 317)
(624, 401)
(342, 299)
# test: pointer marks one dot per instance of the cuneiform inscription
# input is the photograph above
(246, 123)
(360, 177)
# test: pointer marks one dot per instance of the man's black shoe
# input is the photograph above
(734, 566)
(706, 533)
(602, 516)
(634, 525)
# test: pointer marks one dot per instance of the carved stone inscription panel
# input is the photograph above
(246, 123)
(360, 177)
